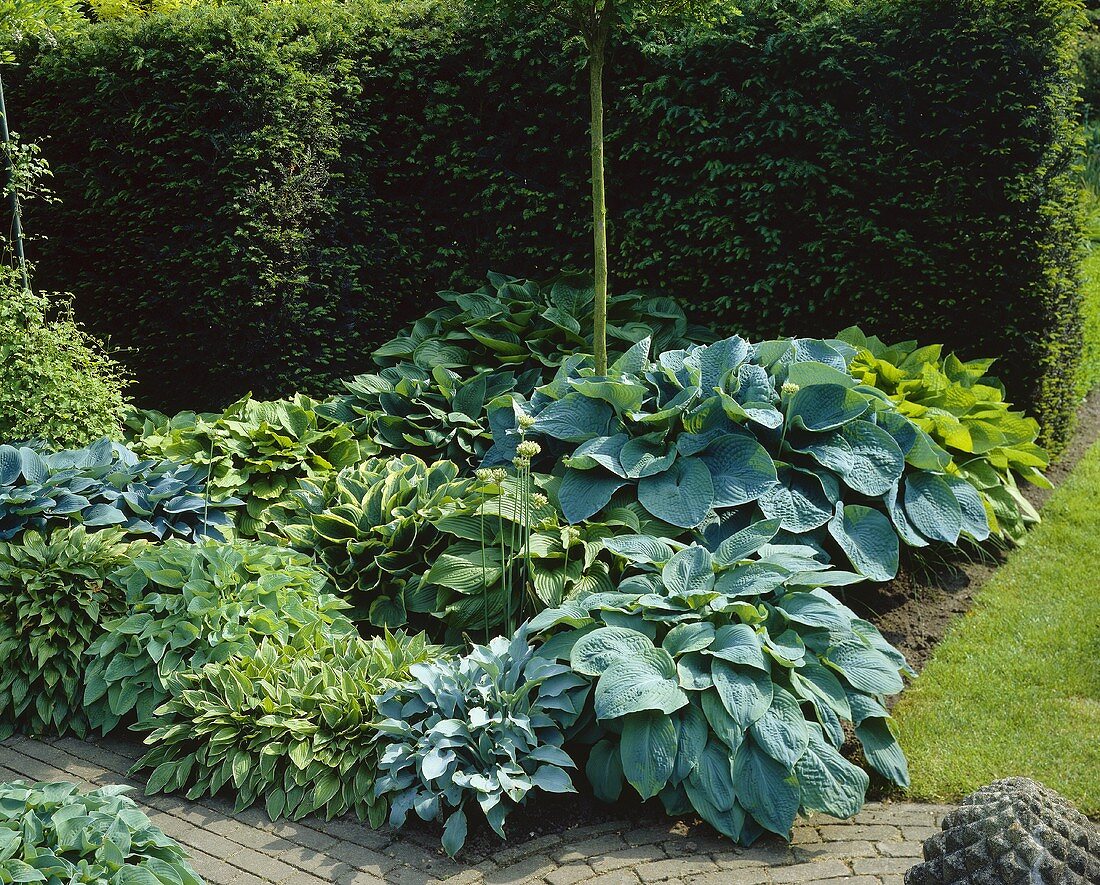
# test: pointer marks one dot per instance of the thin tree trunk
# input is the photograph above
(16, 225)
(599, 202)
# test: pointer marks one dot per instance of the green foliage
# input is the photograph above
(258, 450)
(406, 408)
(1090, 364)
(56, 382)
(714, 437)
(371, 528)
(290, 723)
(106, 485)
(54, 601)
(366, 154)
(965, 412)
(51, 832)
(722, 680)
(486, 728)
(186, 605)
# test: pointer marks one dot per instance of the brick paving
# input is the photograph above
(246, 848)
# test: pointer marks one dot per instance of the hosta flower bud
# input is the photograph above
(526, 422)
(528, 449)
(538, 499)
(789, 388)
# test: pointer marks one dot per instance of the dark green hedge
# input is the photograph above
(252, 200)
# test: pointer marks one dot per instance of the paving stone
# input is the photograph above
(918, 834)
(842, 850)
(900, 849)
(569, 874)
(616, 877)
(595, 847)
(847, 880)
(646, 835)
(882, 866)
(300, 877)
(749, 876)
(871, 832)
(659, 870)
(627, 858)
(806, 872)
(362, 858)
(243, 878)
(525, 871)
(357, 877)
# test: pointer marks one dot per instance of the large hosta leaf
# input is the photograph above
(975, 522)
(682, 495)
(798, 501)
(882, 751)
(602, 451)
(868, 539)
(574, 418)
(827, 781)
(767, 790)
(866, 456)
(867, 669)
(594, 652)
(932, 507)
(741, 469)
(645, 681)
(605, 771)
(584, 493)
(648, 751)
(746, 693)
(825, 407)
(689, 572)
(781, 732)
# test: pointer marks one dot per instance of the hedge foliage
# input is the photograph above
(903, 165)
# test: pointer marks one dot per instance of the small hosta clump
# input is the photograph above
(1014, 830)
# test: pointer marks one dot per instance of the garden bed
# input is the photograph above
(915, 610)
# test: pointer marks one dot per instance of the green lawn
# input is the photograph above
(1014, 689)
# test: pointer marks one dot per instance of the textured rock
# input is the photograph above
(1013, 831)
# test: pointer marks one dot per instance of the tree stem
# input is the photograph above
(596, 48)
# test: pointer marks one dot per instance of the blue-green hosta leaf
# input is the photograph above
(645, 681)
(689, 572)
(781, 732)
(569, 613)
(866, 669)
(598, 650)
(574, 418)
(746, 542)
(454, 833)
(902, 523)
(10, 465)
(716, 361)
(825, 407)
(798, 500)
(685, 638)
(624, 396)
(815, 609)
(824, 683)
(739, 644)
(640, 549)
(875, 462)
(693, 672)
(681, 496)
(691, 738)
(647, 456)
(882, 751)
(713, 775)
(827, 781)
(751, 579)
(584, 493)
(746, 693)
(975, 522)
(932, 507)
(787, 648)
(602, 451)
(634, 360)
(868, 539)
(604, 771)
(648, 750)
(767, 790)
(811, 372)
(741, 470)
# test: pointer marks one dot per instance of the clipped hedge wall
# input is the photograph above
(253, 200)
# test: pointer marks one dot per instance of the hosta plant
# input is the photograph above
(482, 730)
(53, 833)
(54, 601)
(256, 450)
(105, 485)
(737, 432)
(512, 554)
(722, 681)
(525, 325)
(371, 527)
(437, 413)
(290, 724)
(965, 412)
(190, 604)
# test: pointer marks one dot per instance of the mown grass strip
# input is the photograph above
(1014, 689)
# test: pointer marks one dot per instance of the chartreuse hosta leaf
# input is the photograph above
(55, 602)
(258, 451)
(53, 832)
(735, 433)
(478, 732)
(964, 411)
(290, 724)
(185, 605)
(730, 704)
